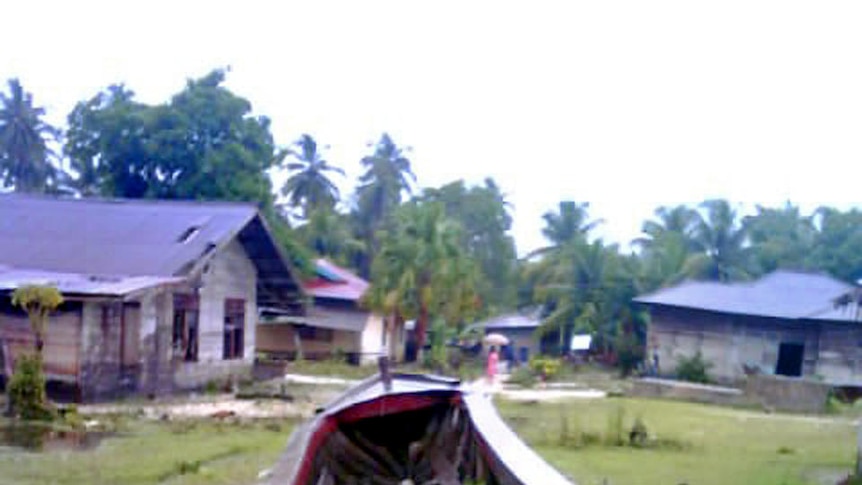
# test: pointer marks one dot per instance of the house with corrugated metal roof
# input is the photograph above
(786, 323)
(159, 295)
(335, 324)
(520, 329)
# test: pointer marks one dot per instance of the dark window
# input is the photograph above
(316, 333)
(234, 327)
(185, 333)
(790, 359)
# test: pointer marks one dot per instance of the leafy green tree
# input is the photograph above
(483, 214)
(781, 238)
(309, 186)
(838, 243)
(422, 272)
(387, 178)
(721, 241)
(203, 144)
(328, 234)
(25, 155)
(38, 301)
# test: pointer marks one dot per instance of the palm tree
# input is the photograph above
(422, 271)
(309, 187)
(388, 176)
(24, 152)
(722, 244)
(668, 246)
(679, 221)
(572, 222)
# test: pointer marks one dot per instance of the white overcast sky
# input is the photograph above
(626, 105)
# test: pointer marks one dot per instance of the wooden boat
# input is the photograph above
(407, 429)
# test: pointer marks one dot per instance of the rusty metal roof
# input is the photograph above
(335, 282)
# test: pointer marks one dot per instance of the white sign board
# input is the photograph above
(581, 342)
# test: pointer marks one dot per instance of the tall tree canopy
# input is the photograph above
(308, 187)
(422, 272)
(838, 243)
(387, 178)
(721, 241)
(781, 238)
(667, 246)
(203, 144)
(25, 156)
(571, 222)
(482, 212)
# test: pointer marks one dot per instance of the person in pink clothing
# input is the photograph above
(491, 371)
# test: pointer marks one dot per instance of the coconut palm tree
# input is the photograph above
(387, 178)
(24, 152)
(679, 221)
(667, 246)
(309, 187)
(721, 241)
(422, 271)
(570, 223)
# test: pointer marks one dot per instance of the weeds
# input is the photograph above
(616, 434)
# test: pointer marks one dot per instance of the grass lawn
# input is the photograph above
(696, 444)
(181, 453)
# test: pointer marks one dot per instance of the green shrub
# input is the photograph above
(545, 367)
(693, 369)
(639, 434)
(27, 389)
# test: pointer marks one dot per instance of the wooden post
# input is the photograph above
(859, 451)
(7, 373)
(385, 376)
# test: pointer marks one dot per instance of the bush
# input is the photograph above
(27, 389)
(693, 369)
(639, 434)
(546, 368)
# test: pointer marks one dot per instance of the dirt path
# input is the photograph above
(535, 394)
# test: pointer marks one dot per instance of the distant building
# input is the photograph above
(159, 295)
(786, 323)
(520, 329)
(335, 324)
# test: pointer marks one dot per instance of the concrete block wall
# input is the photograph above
(729, 342)
(230, 274)
(100, 376)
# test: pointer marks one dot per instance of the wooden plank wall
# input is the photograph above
(62, 344)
